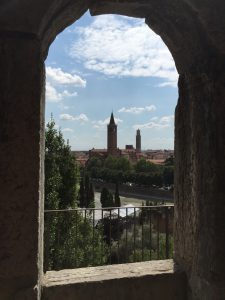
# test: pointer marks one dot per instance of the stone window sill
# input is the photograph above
(146, 280)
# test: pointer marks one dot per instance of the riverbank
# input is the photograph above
(136, 194)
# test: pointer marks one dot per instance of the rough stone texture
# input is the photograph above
(194, 31)
(148, 280)
(200, 207)
(42, 18)
(21, 86)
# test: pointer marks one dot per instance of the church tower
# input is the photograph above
(112, 136)
(138, 141)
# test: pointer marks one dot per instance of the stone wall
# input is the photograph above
(194, 32)
(199, 194)
(21, 111)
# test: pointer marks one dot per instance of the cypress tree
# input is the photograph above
(81, 196)
(117, 196)
(110, 201)
(86, 193)
(91, 196)
(106, 198)
(103, 197)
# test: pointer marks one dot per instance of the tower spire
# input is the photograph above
(112, 121)
(112, 136)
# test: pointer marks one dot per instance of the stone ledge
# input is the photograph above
(153, 280)
(91, 274)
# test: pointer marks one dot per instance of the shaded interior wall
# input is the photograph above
(200, 170)
(21, 111)
(194, 31)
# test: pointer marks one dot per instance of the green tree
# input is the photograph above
(146, 166)
(61, 171)
(94, 162)
(168, 175)
(106, 198)
(86, 193)
(117, 196)
(169, 161)
(110, 162)
(81, 196)
(53, 177)
(91, 196)
(123, 164)
(69, 236)
(69, 171)
(103, 197)
(117, 163)
(78, 244)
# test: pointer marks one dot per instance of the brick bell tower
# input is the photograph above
(112, 136)
(138, 141)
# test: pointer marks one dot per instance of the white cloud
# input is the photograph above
(151, 125)
(58, 76)
(168, 83)
(119, 46)
(68, 117)
(163, 122)
(103, 123)
(82, 117)
(57, 80)
(51, 93)
(154, 118)
(166, 119)
(65, 93)
(67, 130)
(137, 110)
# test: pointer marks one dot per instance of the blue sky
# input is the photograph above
(111, 63)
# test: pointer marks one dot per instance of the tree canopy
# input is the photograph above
(61, 171)
(70, 239)
(143, 172)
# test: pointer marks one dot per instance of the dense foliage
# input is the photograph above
(70, 240)
(86, 197)
(117, 196)
(143, 172)
(106, 198)
(61, 171)
(139, 239)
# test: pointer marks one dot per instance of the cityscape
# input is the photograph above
(133, 154)
(109, 188)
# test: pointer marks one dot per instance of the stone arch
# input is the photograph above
(194, 32)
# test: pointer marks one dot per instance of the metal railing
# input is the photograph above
(84, 237)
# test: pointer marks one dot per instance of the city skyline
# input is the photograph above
(95, 66)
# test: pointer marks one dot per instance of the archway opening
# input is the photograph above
(193, 33)
(96, 66)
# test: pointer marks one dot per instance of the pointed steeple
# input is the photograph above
(112, 136)
(112, 122)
